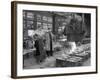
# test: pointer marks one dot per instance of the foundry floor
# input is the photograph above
(49, 62)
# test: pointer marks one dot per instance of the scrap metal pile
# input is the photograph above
(77, 58)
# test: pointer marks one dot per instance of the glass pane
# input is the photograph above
(38, 17)
(64, 23)
(49, 19)
(30, 15)
(29, 22)
(45, 26)
(39, 24)
(50, 26)
(44, 18)
(30, 26)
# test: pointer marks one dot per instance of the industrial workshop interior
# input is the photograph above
(56, 39)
